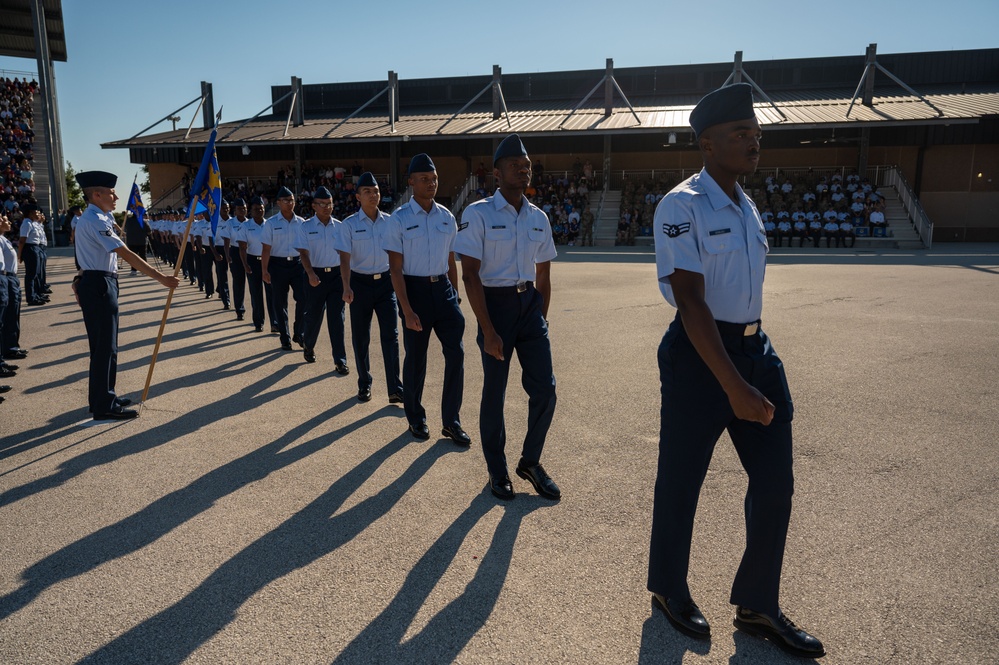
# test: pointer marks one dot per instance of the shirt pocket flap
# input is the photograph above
(723, 243)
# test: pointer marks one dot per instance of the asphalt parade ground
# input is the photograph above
(257, 513)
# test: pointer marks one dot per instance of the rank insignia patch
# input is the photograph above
(673, 230)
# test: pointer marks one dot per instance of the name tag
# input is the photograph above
(537, 229)
(410, 228)
(718, 232)
(313, 233)
(498, 227)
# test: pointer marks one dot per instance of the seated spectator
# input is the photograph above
(831, 232)
(876, 218)
(815, 230)
(800, 231)
(846, 233)
(783, 231)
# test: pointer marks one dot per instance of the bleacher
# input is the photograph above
(638, 188)
(18, 176)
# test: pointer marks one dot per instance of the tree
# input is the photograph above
(73, 191)
(144, 185)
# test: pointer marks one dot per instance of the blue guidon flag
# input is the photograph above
(206, 192)
(135, 205)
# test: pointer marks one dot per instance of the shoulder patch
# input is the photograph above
(674, 230)
(463, 226)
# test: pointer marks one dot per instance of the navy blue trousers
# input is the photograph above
(375, 297)
(10, 337)
(206, 271)
(260, 292)
(31, 255)
(695, 412)
(99, 301)
(286, 276)
(436, 303)
(518, 320)
(326, 298)
(238, 280)
(221, 275)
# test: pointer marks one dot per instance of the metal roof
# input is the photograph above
(804, 109)
(17, 35)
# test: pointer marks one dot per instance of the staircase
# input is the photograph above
(40, 163)
(605, 226)
(901, 233)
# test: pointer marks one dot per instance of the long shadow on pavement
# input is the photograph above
(451, 629)
(245, 400)
(176, 632)
(171, 511)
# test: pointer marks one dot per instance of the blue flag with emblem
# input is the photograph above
(206, 192)
(135, 205)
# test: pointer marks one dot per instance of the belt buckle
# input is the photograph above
(751, 329)
(435, 278)
(377, 275)
(521, 287)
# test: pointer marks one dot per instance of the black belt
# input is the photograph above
(520, 287)
(253, 256)
(286, 258)
(377, 275)
(333, 269)
(102, 273)
(433, 279)
(738, 329)
(9, 274)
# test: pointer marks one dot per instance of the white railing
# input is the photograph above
(471, 185)
(892, 177)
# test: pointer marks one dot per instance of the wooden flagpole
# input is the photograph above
(166, 310)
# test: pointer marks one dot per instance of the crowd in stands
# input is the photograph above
(813, 206)
(810, 206)
(17, 185)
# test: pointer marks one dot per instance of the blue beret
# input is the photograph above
(726, 104)
(96, 179)
(238, 202)
(224, 202)
(28, 208)
(322, 193)
(256, 201)
(285, 193)
(511, 146)
(367, 179)
(421, 164)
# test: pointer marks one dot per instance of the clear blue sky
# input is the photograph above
(131, 63)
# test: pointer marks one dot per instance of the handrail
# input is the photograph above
(471, 185)
(920, 220)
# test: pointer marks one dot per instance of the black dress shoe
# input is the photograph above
(6, 373)
(310, 356)
(364, 394)
(286, 346)
(395, 398)
(122, 401)
(342, 369)
(297, 339)
(781, 631)
(5, 389)
(275, 329)
(207, 296)
(239, 316)
(543, 484)
(258, 328)
(501, 487)
(12, 368)
(684, 615)
(458, 435)
(421, 432)
(117, 414)
(19, 354)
